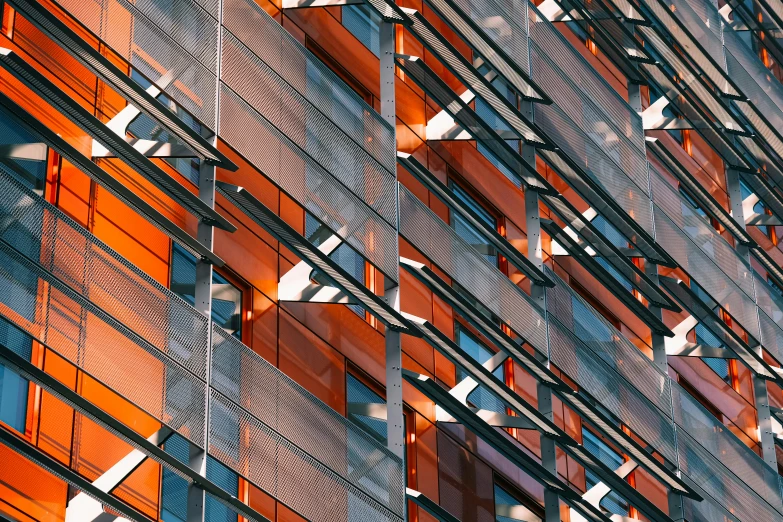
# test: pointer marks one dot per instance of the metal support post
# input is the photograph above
(538, 293)
(395, 418)
(761, 396)
(203, 302)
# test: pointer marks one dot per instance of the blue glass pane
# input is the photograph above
(22, 163)
(359, 393)
(345, 256)
(143, 127)
(363, 23)
(174, 489)
(467, 231)
(480, 397)
(226, 298)
(612, 502)
(13, 399)
(227, 480)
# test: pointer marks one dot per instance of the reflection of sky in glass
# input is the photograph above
(612, 502)
(226, 298)
(480, 397)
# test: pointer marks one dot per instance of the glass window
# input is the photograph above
(364, 24)
(142, 127)
(758, 208)
(613, 503)
(358, 393)
(226, 298)
(345, 256)
(480, 397)
(719, 366)
(174, 489)
(509, 509)
(467, 231)
(618, 240)
(23, 156)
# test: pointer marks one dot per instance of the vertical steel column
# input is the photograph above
(395, 418)
(538, 293)
(759, 385)
(203, 298)
(658, 341)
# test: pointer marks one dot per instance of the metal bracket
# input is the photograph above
(84, 508)
(297, 286)
(597, 493)
(552, 12)
(654, 119)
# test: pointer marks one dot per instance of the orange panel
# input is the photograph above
(415, 298)
(312, 363)
(76, 80)
(30, 489)
(466, 483)
(264, 327)
(261, 502)
(286, 515)
(55, 428)
(132, 236)
(74, 191)
(96, 450)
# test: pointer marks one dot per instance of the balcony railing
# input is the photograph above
(461, 261)
(603, 361)
(75, 295)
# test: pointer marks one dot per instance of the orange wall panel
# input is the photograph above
(30, 489)
(312, 363)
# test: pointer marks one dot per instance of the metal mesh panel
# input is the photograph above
(611, 147)
(579, 80)
(508, 67)
(504, 22)
(770, 307)
(723, 255)
(303, 124)
(610, 345)
(703, 22)
(708, 510)
(702, 426)
(251, 25)
(306, 182)
(593, 159)
(280, 404)
(762, 89)
(612, 391)
(720, 483)
(157, 51)
(706, 273)
(79, 333)
(440, 243)
(690, 47)
(251, 448)
(99, 274)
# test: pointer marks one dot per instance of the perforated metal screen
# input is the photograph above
(273, 45)
(43, 296)
(440, 243)
(307, 182)
(176, 44)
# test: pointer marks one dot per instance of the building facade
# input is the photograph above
(378, 261)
